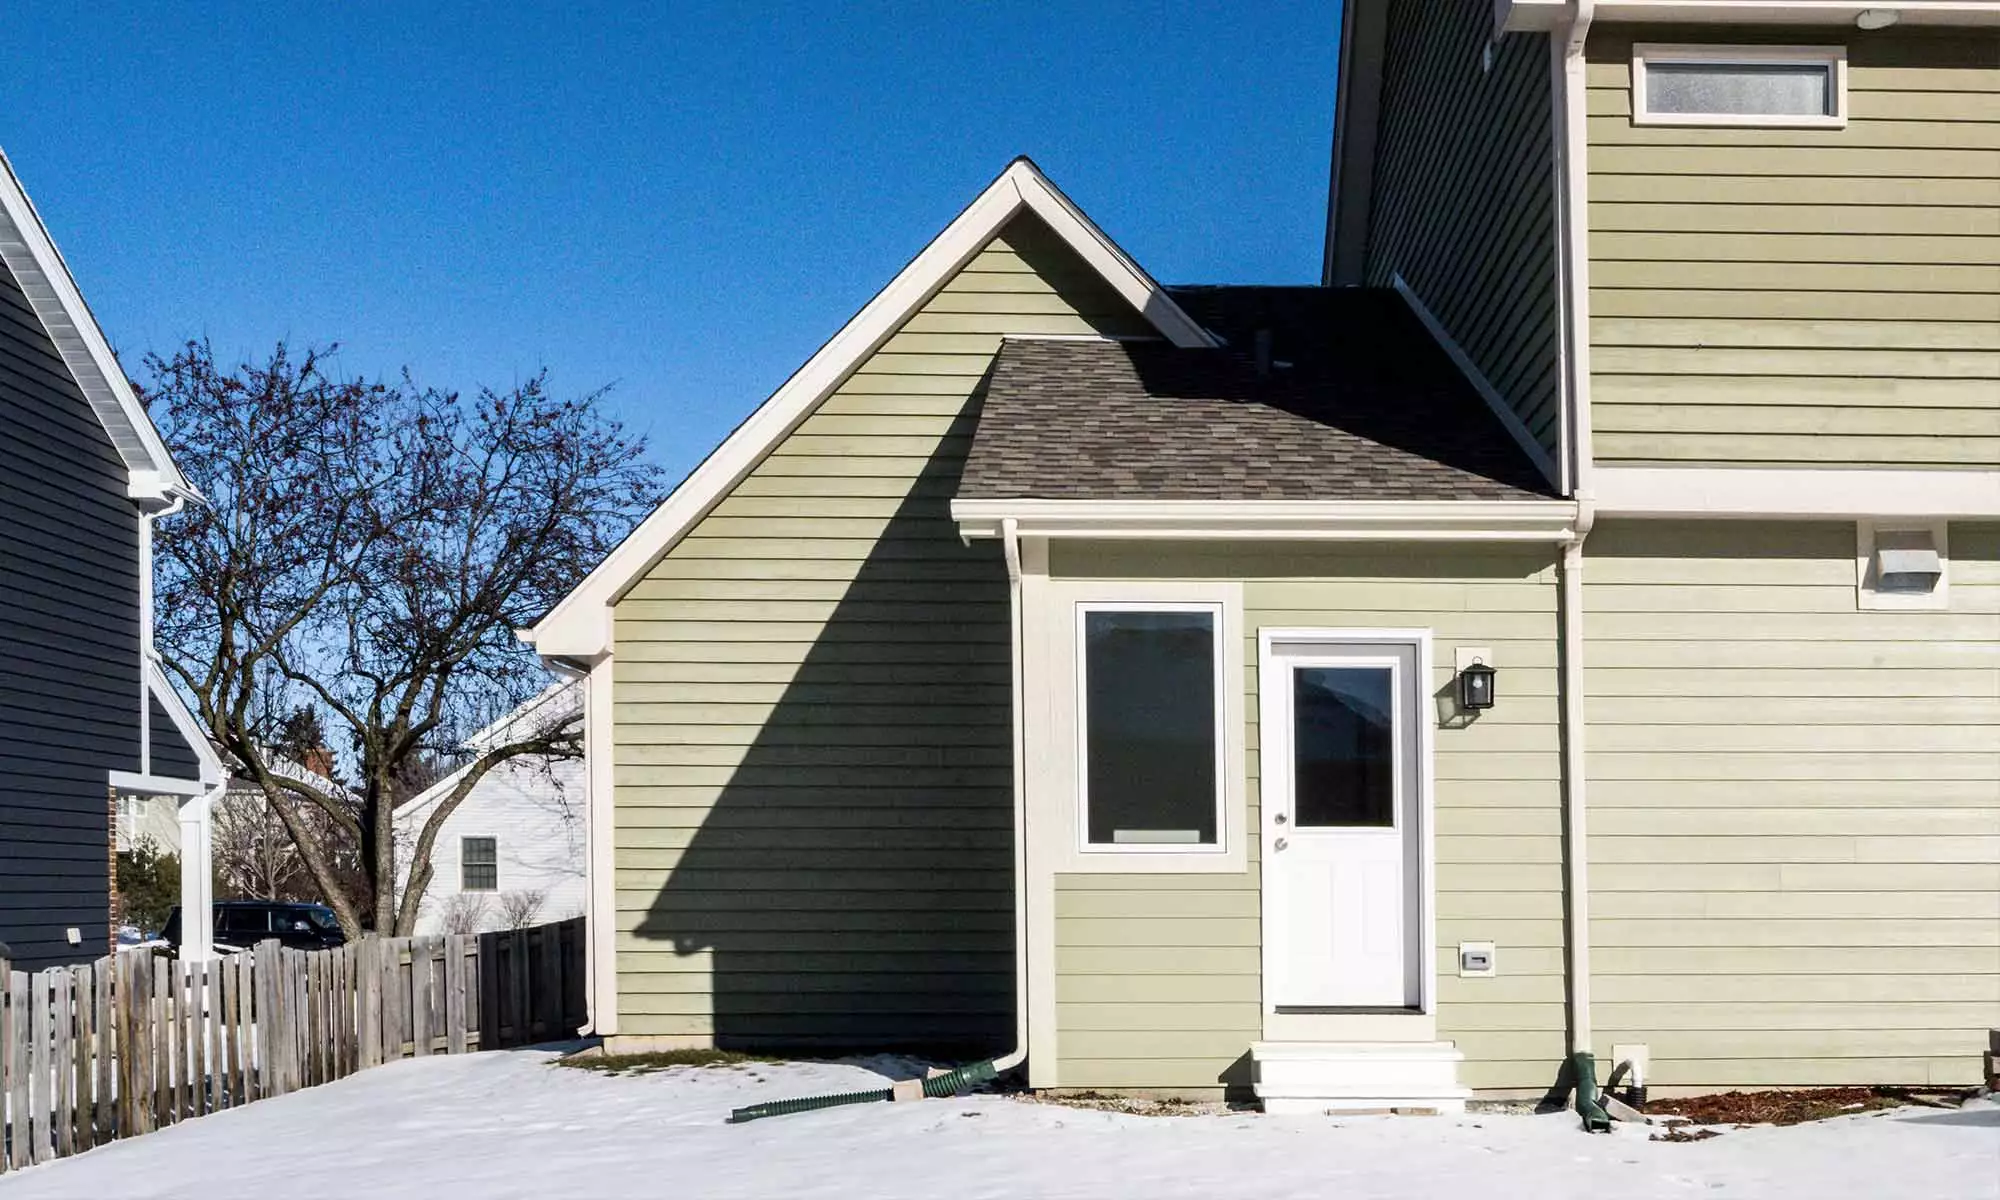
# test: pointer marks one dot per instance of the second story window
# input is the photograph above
(1739, 85)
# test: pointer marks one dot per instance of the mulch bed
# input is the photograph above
(1782, 1107)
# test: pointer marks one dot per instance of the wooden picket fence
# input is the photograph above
(132, 1043)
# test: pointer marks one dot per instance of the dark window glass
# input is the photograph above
(479, 864)
(1149, 726)
(242, 921)
(1343, 746)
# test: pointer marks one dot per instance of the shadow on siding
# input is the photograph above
(854, 878)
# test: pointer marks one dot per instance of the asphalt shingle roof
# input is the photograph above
(1369, 408)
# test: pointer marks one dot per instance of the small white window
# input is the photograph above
(1151, 736)
(1902, 565)
(479, 864)
(1740, 85)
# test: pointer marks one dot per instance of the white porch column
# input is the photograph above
(197, 876)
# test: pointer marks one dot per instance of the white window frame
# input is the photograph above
(495, 864)
(1052, 693)
(1749, 56)
(1084, 845)
(1867, 599)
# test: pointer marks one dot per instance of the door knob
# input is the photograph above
(1280, 844)
(1279, 819)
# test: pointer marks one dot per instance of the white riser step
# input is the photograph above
(1315, 1077)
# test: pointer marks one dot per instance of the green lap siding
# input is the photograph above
(814, 805)
(1781, 297)
(1159, 978)
(1794, 808)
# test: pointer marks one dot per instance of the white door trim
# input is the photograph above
(1271, 678)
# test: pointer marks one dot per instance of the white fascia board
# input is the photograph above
(1273, 520)
(579, 626)
(1830, 493)
(133, 783)
(1529, 16)
(29, 251)
(212, 771)
(1522, 15)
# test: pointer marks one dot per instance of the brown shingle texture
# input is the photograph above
(1359, 403)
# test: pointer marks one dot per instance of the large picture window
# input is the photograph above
(1151, 736)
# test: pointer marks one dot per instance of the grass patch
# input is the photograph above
(660, 1060)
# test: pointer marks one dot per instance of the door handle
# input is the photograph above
(1280, 844)
(1279, 819)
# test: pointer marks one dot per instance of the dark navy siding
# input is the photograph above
(172, 756)
(69, 646)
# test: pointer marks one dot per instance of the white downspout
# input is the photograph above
(1572, 152)
(1010, 540)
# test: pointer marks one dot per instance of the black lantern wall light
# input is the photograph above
(1475, 686)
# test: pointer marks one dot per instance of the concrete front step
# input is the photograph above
(1321, 1077)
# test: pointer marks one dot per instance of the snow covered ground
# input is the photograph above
(513, 1125)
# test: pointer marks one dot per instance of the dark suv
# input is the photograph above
(241, 924)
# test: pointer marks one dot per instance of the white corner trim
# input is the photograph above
(1277, 520)
(177, 712)
(580, 627)
(31, 254)
(1831, 58)
(1572, 183)
(1833, 492)
(1487, 392)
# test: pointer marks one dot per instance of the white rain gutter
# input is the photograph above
(1010, 540)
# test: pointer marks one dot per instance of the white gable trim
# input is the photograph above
(579, 627)
(31, 254)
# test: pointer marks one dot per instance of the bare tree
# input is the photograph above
(253, 854)
(463, 912)
(518, 910)
(366, 551)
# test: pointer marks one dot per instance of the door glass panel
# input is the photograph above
(1343, 747)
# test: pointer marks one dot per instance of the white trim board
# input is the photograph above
(580, 627)
(1274, 520)
(1518, 16)
(1747, 492)
(1509, 419)
(31, 254)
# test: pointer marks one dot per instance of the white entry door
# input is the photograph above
(1340, 750)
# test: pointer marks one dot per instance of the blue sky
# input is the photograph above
(682, 200)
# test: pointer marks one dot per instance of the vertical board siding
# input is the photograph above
(1774, 296)
(1795, 808)
(1464, 195)
(69, 646)
(815, 808)
(1159, 977)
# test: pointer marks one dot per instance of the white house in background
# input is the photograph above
(517, 841)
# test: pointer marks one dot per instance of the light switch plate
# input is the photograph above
(1477, 960)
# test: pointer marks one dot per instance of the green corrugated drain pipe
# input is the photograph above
(950, 1083)
(1583, 1064)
